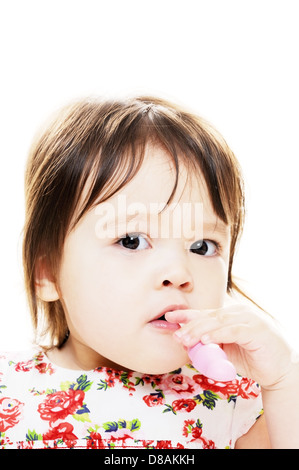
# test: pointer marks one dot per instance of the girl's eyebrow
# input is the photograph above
(210, 226)
(124, 218)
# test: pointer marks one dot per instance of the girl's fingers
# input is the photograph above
(250, 338)
(220, 315)
(239, 334)
(225, 325)
(185, 316)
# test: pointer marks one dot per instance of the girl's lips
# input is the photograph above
(159, 320)
(165, 325)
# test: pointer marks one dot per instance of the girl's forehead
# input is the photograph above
(149, 191)
(143, 202)
(156, 179)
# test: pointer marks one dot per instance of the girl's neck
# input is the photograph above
(75, 355)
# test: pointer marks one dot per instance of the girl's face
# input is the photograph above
(119, 276)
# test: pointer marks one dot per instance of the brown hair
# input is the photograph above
(105, 141)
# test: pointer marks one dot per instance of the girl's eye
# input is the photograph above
(204, 248)
(134, 242)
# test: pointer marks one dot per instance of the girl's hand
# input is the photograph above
(251, 339)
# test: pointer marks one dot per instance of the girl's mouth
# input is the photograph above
(160, 321)
(163, 324)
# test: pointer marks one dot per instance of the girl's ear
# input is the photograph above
(44, 281)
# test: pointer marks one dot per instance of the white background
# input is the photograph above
(235, 62)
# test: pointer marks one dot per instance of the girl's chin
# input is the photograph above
(156, 357)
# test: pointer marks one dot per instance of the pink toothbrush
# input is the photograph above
(211, 361)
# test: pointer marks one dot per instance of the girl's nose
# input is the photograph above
(174, 273)
(186, 286)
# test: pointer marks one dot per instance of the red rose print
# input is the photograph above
(188, 426)
(114, 376)
(147, 444)
(208, 443)
(10, 412)
(119, 438)
(184, 405)
(63, 431)
(222, 389)
(95, 441)
(179, 383)
(58, 405)
(26, 445)
(24, 366)
(196, 432)
(154, 399)
(248, 388)
(152, 379)
(163, 445)
(44, 368)
(180, 446)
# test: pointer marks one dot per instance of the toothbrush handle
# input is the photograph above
(211, 361)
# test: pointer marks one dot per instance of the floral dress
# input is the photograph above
(46, 406)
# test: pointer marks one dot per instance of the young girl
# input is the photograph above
(133, 212)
